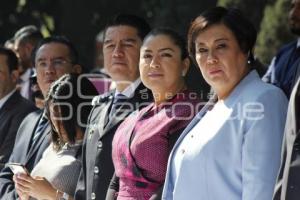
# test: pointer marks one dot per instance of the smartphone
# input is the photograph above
(17, 168)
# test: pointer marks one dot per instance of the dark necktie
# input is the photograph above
(118, 102)
(43, 123)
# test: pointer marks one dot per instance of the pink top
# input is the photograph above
(142, 167)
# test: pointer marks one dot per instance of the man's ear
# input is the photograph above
(77, 69)
(15, 75)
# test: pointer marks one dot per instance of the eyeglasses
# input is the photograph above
(56, 63)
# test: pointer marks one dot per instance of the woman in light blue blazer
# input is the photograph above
(231, 150)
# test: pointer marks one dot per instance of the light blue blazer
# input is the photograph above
(232, 151)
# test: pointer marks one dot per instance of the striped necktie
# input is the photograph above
(43, 123)
(118, 102)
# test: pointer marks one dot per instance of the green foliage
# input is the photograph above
(251, 8)
(274, 30)
(228, 3)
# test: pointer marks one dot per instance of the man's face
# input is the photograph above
(294, 17)
(121, 51)
(51, 62)
(7, 80)
(23, 51)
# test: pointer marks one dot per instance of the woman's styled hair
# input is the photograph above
(243, 30)
(174, 36)
(70, 97)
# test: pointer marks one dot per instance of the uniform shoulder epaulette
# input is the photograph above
(97, 100)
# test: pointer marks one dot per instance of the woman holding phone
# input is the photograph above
(56, 174)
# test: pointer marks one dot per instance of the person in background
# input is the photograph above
(98, 74)
(10, 44)
(122, 41)
(284, 69)
(232, 147)
(13, 107)
(67, 105)
(54, 57)
(37, 94)
(288, 182)
(25, 40)
(150, 134)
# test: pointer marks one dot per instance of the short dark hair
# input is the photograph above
(174, 36)
(61, 40)
(69, 90)
(30, 34)
(11, 58)
(243, 30)
(134, 21)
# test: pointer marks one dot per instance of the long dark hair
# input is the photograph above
(71, 97)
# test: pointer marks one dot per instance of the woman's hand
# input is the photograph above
(37, 187)
(20, 189)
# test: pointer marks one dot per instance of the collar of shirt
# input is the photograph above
(129, 91)
(25, 76)
(298, 42)
(4, 99)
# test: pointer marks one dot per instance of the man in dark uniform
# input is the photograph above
(122, 41)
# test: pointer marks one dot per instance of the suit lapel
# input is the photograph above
(10, 102)
(116, 119)
(98, 118)
(103, 120)
(193, 123)
(141, 95)
(37, 145)
(26, 138)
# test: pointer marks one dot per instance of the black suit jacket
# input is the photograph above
(97, 167)
(288, 184)
(12, 113)
(23, 153)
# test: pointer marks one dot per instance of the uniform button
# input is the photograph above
(91, 131)
(182, 151)
(96, 170)
(93, 196)
(99, 144)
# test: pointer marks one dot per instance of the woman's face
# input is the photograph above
(220, 59)
(161, 66)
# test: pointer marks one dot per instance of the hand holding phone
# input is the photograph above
(17, 168)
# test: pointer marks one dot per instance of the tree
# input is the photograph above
(252, 8)
(274, 30)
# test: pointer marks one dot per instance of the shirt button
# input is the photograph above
(99, 144)
(93, 196)
(182, 151)
(96, 170)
